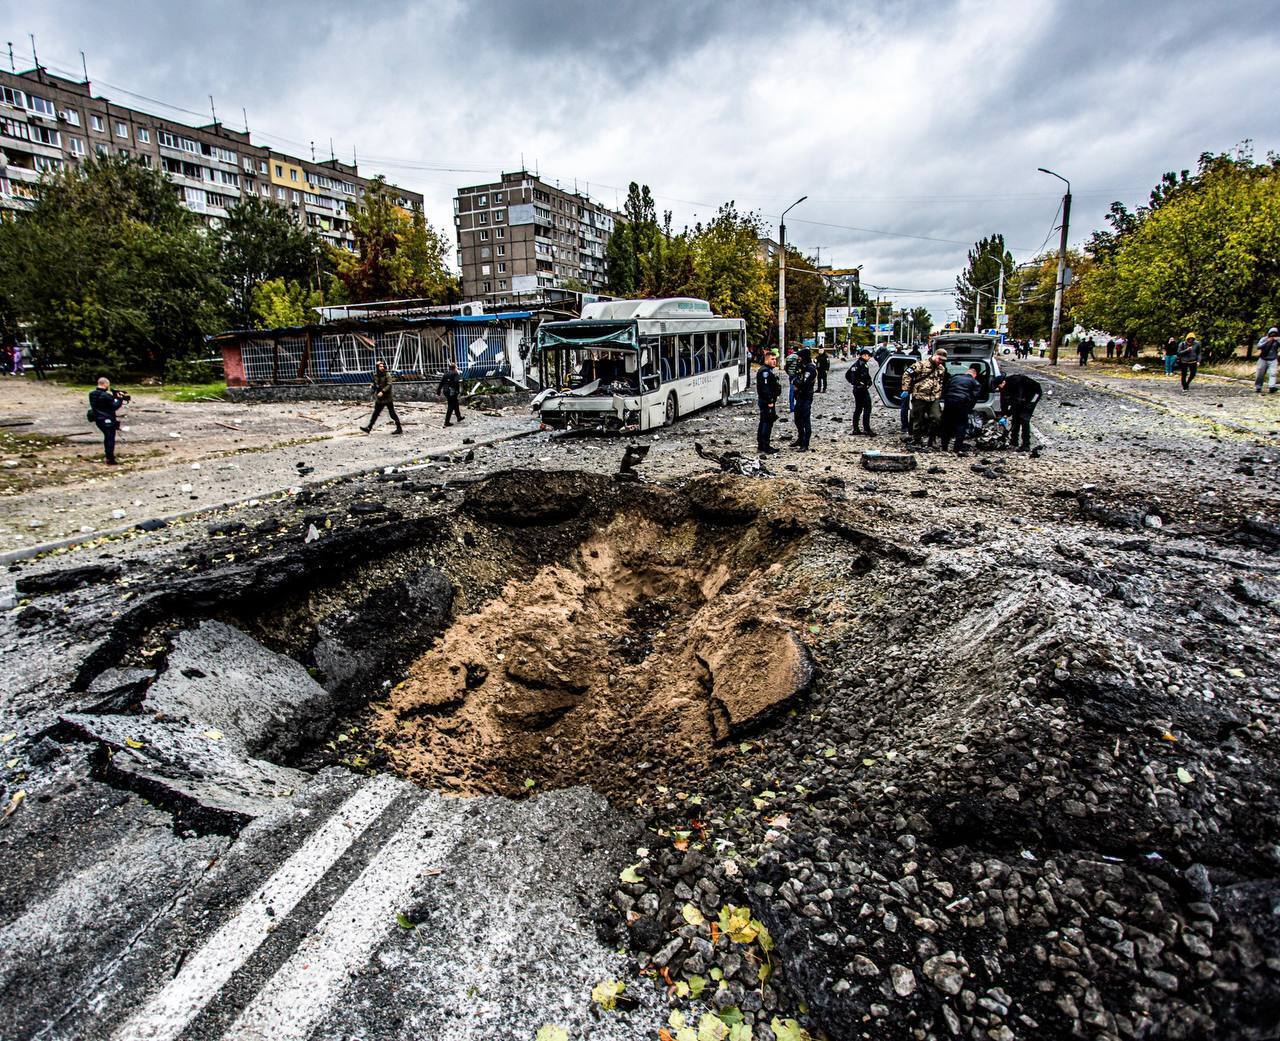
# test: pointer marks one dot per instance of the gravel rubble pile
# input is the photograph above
(1008, 810)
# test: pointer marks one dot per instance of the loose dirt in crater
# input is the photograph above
(647, 644)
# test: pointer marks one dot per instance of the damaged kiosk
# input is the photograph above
(637, 364)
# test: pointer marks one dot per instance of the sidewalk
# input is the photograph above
(1214, 400)
(116, 499)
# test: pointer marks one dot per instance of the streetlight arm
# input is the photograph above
(1058, 176)
(793, 206)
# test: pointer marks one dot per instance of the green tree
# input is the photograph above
(980, 278)
(1029, 295)
(277, 304)
(109, 269)
(728, 271)
(1203, 258)
(633, 243)
(397, 255)
(921, 323)
(259, 241)
(426, 276)
(806, 293)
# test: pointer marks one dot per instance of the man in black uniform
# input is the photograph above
(104, 403)
(958, 398)
(823, 365)
(451, 388)
(859, 376)
(382, 397)
(767, 390)
(803, 383)
(1019, 395)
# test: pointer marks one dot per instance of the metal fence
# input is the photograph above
(421, 352)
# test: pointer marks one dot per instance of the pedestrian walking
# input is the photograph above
(104, 403)
(451, 388)
(925, 382)
(1111, 349)
(18, 367)
(958, 398)
(1268, 351)
(1019, 396)
(768, 387)
(1083, 349)
(1188, 360)
(382, 397)
(789, 366)
(823, 365)
(1170, 355)
(859, 377)
(806, 379)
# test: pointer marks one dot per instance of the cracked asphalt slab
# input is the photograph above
(1030, 793)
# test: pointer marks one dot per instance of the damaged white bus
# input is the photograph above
(637, 364)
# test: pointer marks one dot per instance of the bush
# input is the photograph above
(191, 371)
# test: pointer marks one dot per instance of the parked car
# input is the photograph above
(963, 350)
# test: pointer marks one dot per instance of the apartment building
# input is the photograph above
(520, 235)
(47, 121)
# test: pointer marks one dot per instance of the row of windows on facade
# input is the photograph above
(166, 138)
(582, 212)
(544, 282)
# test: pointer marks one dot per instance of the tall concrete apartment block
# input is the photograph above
(47, 122)
(521, 235)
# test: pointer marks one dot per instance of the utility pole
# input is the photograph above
(1062, 268)
(782, 278)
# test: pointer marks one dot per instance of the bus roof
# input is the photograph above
(667, 307)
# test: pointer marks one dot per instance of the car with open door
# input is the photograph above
(963, 350)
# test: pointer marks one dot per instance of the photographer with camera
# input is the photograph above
(104, 403)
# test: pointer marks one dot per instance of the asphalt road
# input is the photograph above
(365, 907)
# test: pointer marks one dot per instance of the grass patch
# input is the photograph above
(1234, 367)
(16, 442)
(215, 390)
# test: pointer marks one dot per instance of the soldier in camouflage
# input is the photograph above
(382, 397)
(925, 382)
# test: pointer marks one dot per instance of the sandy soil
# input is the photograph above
(650, 642)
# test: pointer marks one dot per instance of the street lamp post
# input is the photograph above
(1062, 268)
(782, 278)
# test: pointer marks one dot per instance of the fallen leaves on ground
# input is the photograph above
(605, 994)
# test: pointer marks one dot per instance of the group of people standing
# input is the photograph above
(936, 403)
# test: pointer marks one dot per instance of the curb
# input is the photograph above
(28, 552)
(1142, 399)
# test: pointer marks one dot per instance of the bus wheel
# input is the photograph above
(673, 409)
(724, 393)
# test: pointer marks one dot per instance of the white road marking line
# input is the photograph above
(298, 996)
(207, 971)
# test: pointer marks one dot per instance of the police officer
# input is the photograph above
(803, 383)
(768, 388)
(104, 403)
(859, 376)
(451, 388)
(382, 397)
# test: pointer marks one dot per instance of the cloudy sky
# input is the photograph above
(913, 127)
